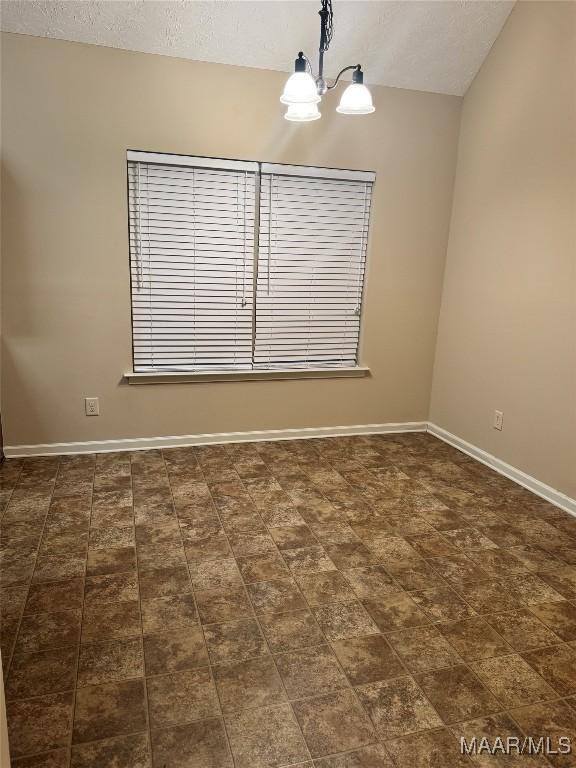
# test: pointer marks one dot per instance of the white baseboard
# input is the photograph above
(146, 443)
(527, 481)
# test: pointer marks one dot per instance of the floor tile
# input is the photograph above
(212, 547)
(43, 631)
(234, 641)
(162, 582)
(110, 662)
(268, 736)
(172, 612)
(373, 756)
(469, 539)
(59, 758)
(53, 596)
(512, 680)
(325, 587)
(333, 723)
(458, 569)
(175, 650)
(288, 631)
(423, 648)
(367, 659)
(474, 639)
(308, 560)
(109, 622)
(116, 560)
(249, 684)
(457, 694)
(58, 567)
(397, 707)
(111, 588)
(119, 752)
(549, 720)
(559, 617)
(107, 710)
(36, 674)
(531, 589)
(490, 596)
(557, 665)
(310, 670)
(442, 604)
(522, 630)
(371, 582)
(351, 555)
(181, 697)
(293, 537)
(39, 724)
(265, 567)
(341, 620)
(215, 574)
(217, 605)
(395, 611)
(116, 536)
(431, 749)
(196, 745)
(280, 595)
(563, 580)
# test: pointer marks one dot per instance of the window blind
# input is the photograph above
(192, 262)
(312, 254)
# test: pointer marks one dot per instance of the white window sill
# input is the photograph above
(182, 377)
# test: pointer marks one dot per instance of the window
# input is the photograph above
(242, 266)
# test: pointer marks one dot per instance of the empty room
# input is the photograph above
(288, 384)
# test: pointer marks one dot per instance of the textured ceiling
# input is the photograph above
(431, 46)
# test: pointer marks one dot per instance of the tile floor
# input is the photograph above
(339, 603)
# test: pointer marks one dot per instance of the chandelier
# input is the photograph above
(303, 91)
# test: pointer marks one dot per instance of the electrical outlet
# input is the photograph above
(498, 420)
(92, 406)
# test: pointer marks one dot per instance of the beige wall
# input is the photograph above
(69, 113)
(507, 333)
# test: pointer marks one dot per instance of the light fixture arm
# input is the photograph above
(357, 70)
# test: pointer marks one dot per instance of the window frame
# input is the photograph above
(254, 374)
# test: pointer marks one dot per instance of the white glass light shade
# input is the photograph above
(302, 113)
(300, 88)
(356, 100)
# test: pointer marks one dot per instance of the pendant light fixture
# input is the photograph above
(303, 92)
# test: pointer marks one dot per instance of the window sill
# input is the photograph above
(178, 377)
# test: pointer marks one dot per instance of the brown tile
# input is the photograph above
(212, 547)
(217, 605)
(397, 707)
(164, 581)
(307, 671)
(111, 588)
(458, 569)
(110, 662)
(395, 611)
(234, 641)
(59, 567)
(248, 684)
(108, 622)
(55, 595)
(288, 631)
(423, 648)
(416, 576)
(342, 620)
(308, 560)
(262, 567)
(293, 537)
(333, 723)
(108, 537)
(59, 758)
(431, 749)
(181, 697)
(117, 560)
(246, 544)
(512, 681)
(469, 539)
(36, 674)
(522, 630)
(373, 756)
(112, 709)
(119, 752)
(457, 694)
(367, 659)
(171, 612)
(39, 724)
(489, 596)
(535, 558)
(153, 534)
(175, 650)
(557, 665)
(549, 720)
(563, 580)
(474, 639)
(442, 604)
(325, 587)
(371, 582)
(272, 596)
(432, 545)
(531, 590)
(43, 631)
(560, 617)
(152, 556)
(351, 555)
(196, 745)
(268, 736)
(215, 574)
